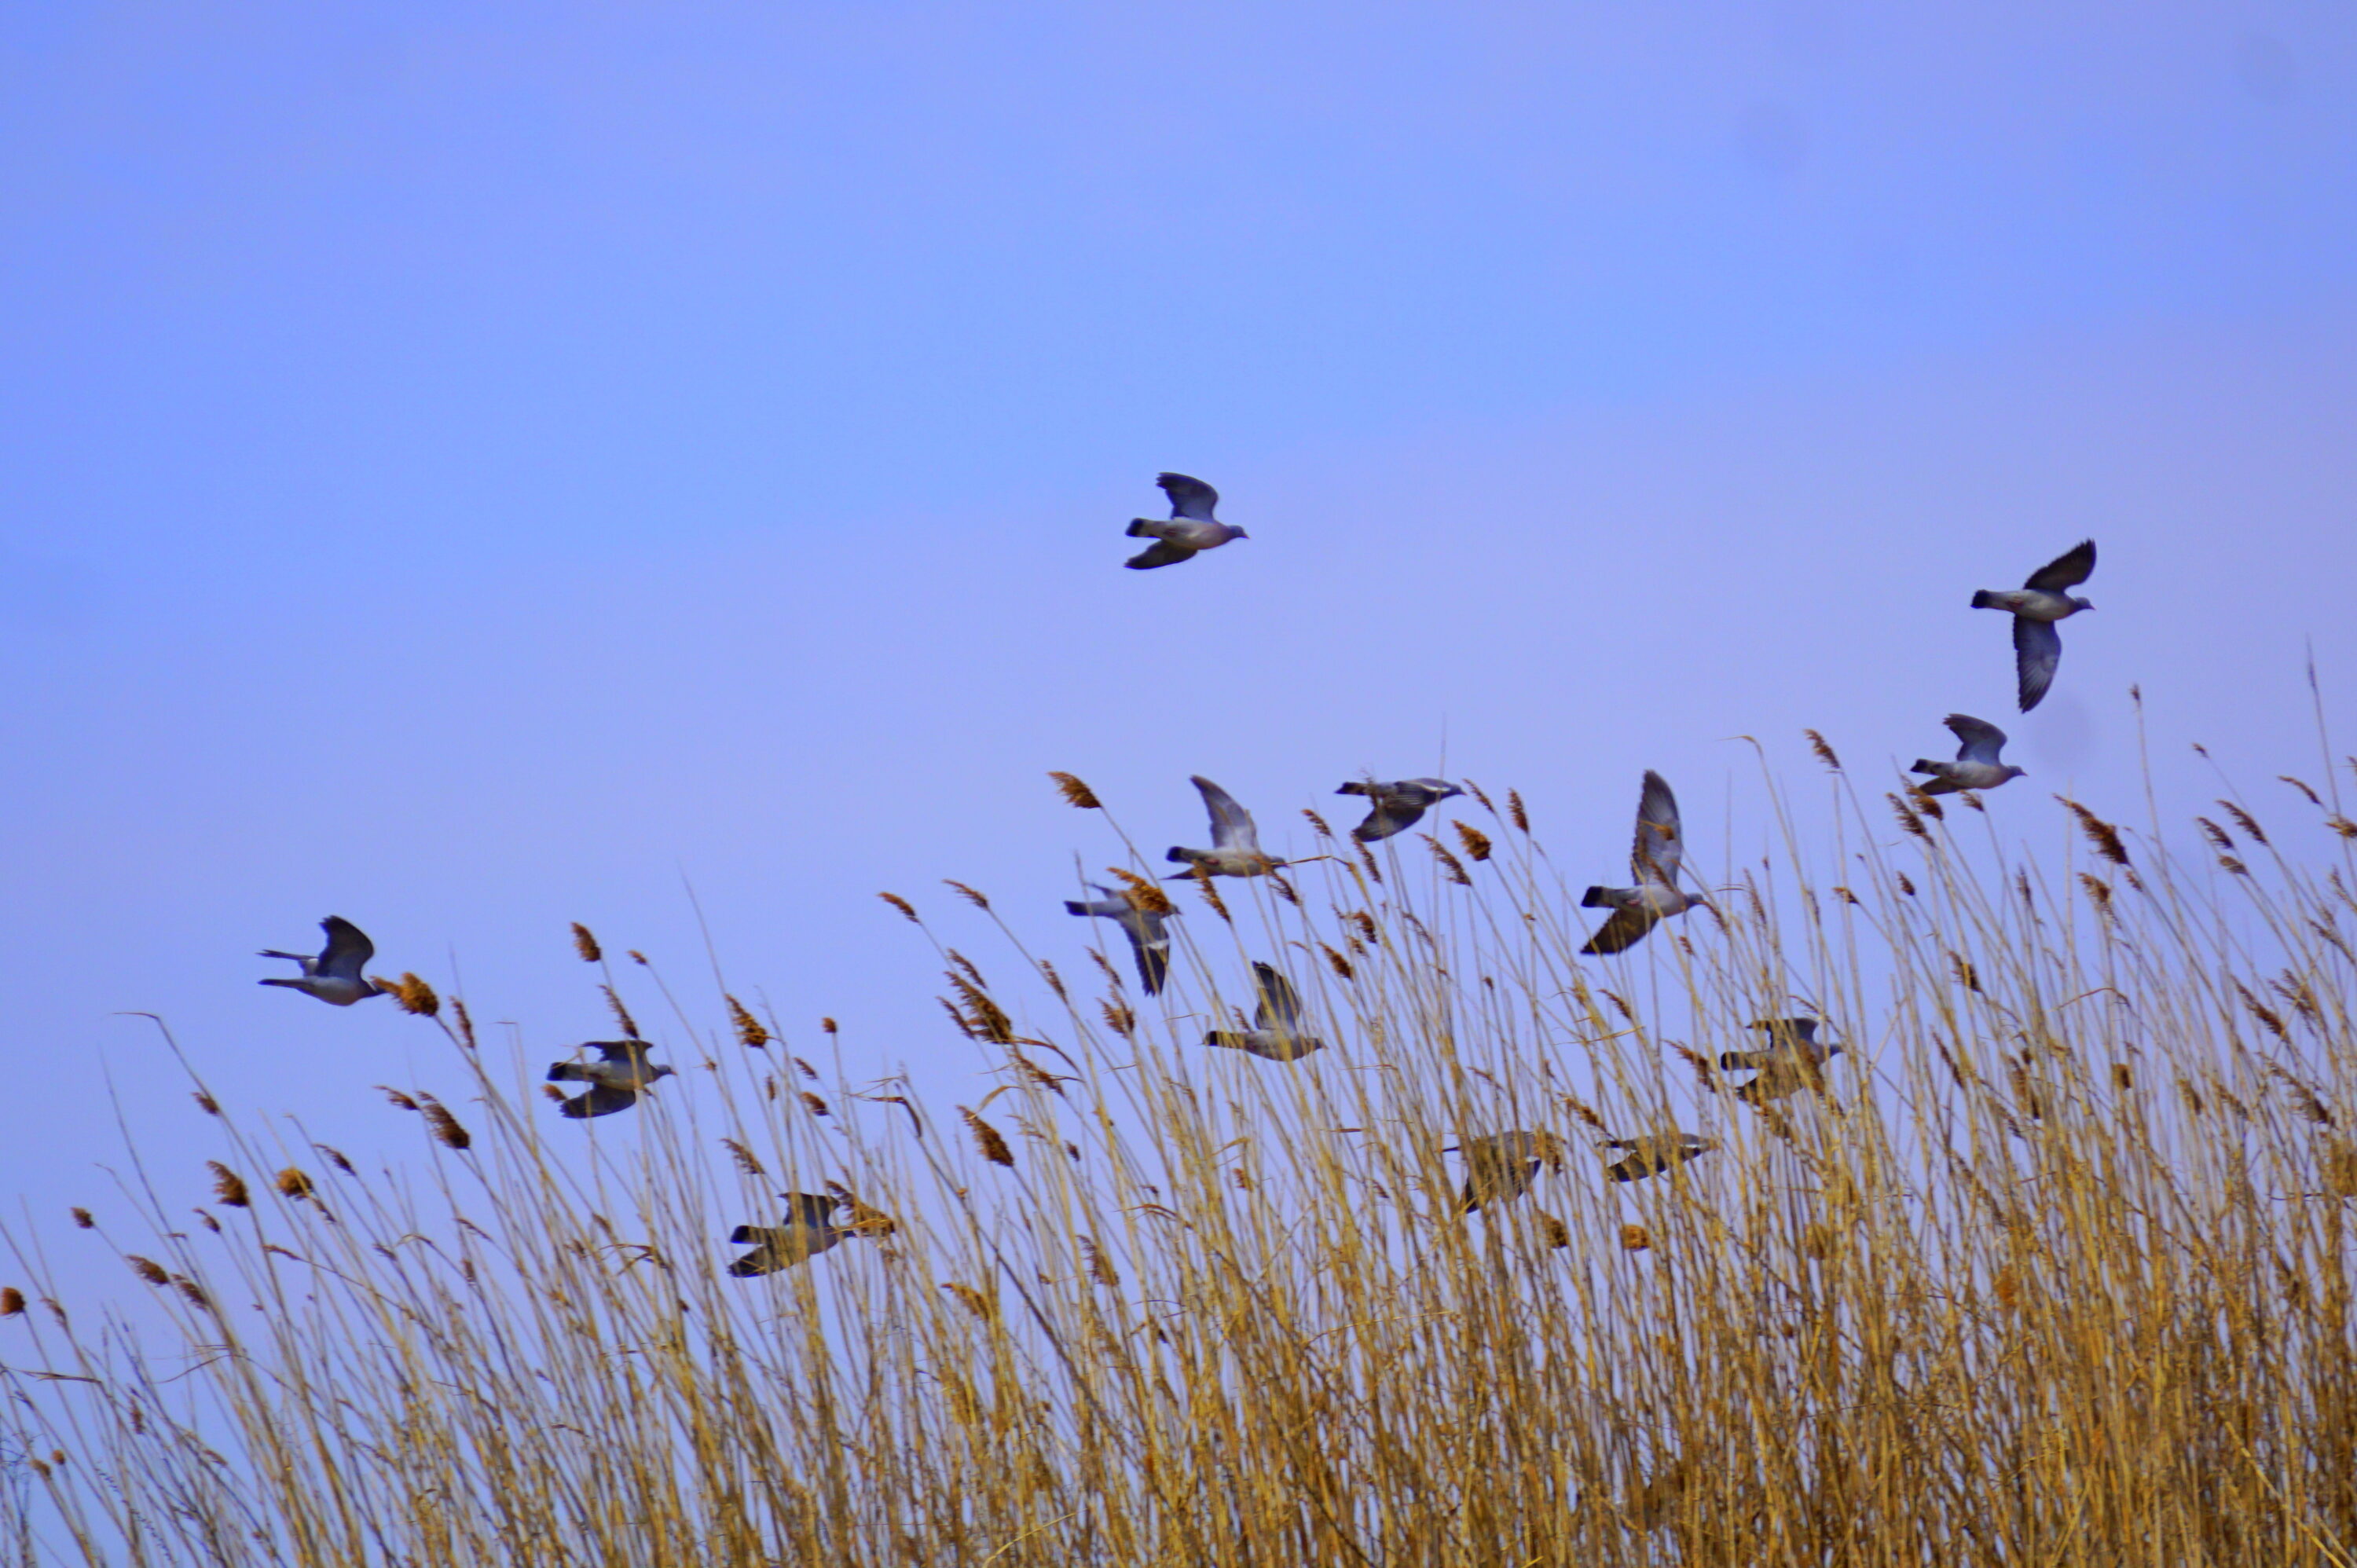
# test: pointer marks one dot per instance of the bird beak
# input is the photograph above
(1242, 535)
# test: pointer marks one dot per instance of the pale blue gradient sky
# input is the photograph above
(467, 466)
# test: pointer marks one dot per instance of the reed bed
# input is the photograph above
(2050, 1266)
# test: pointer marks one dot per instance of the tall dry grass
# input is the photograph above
(2054, 1270)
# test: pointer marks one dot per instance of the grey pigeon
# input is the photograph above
(1189, 529)
(1651, 1153)
(1278, 1032)
(1149, 937)
(1235, 844)
(615, 1079)
(2036, 605)
(1977, 766)
(1661, 846)
(1793, 1060)
(1397, 806)
(1501, 1167)
(334, 975)
(805, 1232)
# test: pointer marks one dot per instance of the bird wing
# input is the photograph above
(2068, 570)
(347, 951)
(813, 1208)
(1232, 825)
(1149, 942)
(1191, 498)
(1661, 844)
(1981, 740)
(1622, 932)
(601, 1100)
(1392, 814)
(1280, 1004)
(1162, 553)
(2037, 653)
(623, 1053)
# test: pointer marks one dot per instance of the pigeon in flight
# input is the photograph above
(1396, 807)
(1190, 529)
(615, 1079)
(1661, 845)
(1149, 937)
(1501, 1167)
(1278, 1032)
(1235, 842)
(1792, 1062)
(805, 1232)
(334, 975)
(2037, 605)
(1977, 766)
(1653, 1153)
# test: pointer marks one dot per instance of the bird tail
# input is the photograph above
(1594, 898)
(273, 953)
(1736, 1062)
(1345, 790)
(1984, 600)
(1922, 765)
(1142, 527)
(1176, 854)
(296, 984)
(1074, 908)
(1224, 1037)
(745, 1269)
(740, 1237)
(570, 1072)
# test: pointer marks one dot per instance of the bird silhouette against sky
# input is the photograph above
(1235, 842)
(1976, 765)
(1278, 1031)
(1654, 865)
(1149, 937)
(1189, 529)
(1397, 806)
(1501, 1167)
(615, 1079)
(334, 975)
(1794, 1061)
(2036, 605)
(808, 1229)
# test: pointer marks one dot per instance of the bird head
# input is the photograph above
(1238, 533)
(666, 1071)
(2013, 772)
(2083, 604)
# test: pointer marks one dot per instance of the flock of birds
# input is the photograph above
(1499, 1167)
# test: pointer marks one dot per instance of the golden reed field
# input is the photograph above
(2050, 1265)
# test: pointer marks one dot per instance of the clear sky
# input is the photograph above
(471, 467)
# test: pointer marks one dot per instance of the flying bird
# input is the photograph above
(1661, 845)
(1235, 844)
(334, 975)
(1189, 529)
(1398, 806)
(1977, 766)
(1794, 1061)
(1651, 1153)
(806, 1231)
(2037, 605)
(1149, 937)
(1278, 1032)
(615, 1079)
(1501, 1167)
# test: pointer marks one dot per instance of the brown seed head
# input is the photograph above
(1966, 975)
(228, 1185)
(1633, 1238)
(1341, 965)
(586, 945)
(1553, 1231)
(336, 1159)
(398, 1098)
(973, 1300)
(2101, 833)
(749, 1032)
(550, 1091)
(2245, 821)
(744, 1157)
(1904, 885)
(1825, 753)
(2313, 797)
(968, 894)
(1908, 821)
(1318, 823)
(206, 1104)
(444, 1126)
(903, 906)
(292, 1183)
(2267, 1015)
(983, 1019)
(1140, 893)
(1119, 1019)
(188, 1288)
(81, 1219)
(414, 995)
(621, 1014)
(12, 1303)
(1211, 897)
(1100, 1267)
(1076, 793)
(2098, 890)
(817, 1107)
(2214, 833)
(1514, 811)
(148, 1269)
(986, 1139)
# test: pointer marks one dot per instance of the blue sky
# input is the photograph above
(475, 468)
